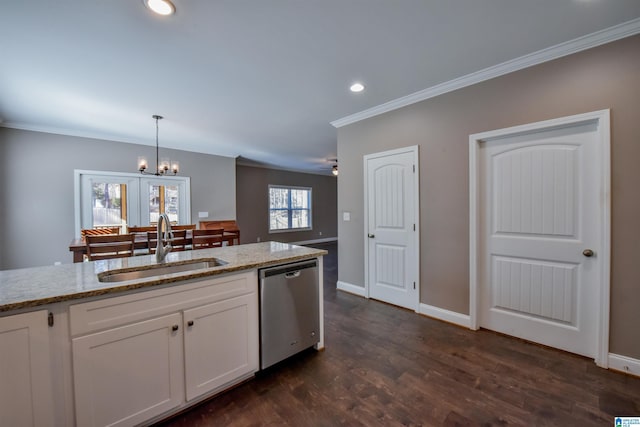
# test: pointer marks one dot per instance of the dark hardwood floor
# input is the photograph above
(386, 366)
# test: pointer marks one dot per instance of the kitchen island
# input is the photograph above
(89, 352)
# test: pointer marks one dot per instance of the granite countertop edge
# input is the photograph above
(38, 286)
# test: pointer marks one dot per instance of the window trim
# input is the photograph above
(288, 209)
(135, 195)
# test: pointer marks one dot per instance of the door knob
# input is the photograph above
(588, 253)
(371, 236)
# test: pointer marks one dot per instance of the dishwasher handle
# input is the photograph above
(292, 275)
(285, 269)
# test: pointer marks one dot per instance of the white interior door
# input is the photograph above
(540, 239)
(391, 229)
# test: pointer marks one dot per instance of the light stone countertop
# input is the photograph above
(32, 287)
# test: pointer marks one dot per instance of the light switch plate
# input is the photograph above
(203, 214)
(346, 216)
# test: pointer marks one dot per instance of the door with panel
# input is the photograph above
(539, 236)
(391, 241)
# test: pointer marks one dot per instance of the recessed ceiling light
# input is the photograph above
(161, 7)
(357, 87)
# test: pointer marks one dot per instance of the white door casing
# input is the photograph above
(391, 227)
(138, 195)
(539, 198)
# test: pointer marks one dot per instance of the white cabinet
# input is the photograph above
(25, 373)
(126, 375)
(220, 343)
(139, 356)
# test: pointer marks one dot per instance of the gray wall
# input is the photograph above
(604, 77)
(37, 196)
(253, 204)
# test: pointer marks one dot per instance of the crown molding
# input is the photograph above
(96, 135)
(579, 44)
(69, 132)
(247, 163)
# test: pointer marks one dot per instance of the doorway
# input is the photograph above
(391, 227)
(539, 233)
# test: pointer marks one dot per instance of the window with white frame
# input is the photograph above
(289, 208)
(112, 199)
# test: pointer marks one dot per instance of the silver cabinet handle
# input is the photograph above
(371, 236)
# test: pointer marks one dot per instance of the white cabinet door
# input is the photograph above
(127, 375)
(26, 396)
(221, 344)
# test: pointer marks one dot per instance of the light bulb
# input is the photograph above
(356, 87)
(161, 7)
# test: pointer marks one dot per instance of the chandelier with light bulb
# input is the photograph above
(164, 166)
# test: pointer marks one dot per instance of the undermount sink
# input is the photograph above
(158, 270)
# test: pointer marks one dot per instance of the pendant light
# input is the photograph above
(163, 166)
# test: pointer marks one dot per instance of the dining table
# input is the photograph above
(78, 245)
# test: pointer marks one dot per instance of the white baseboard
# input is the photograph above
(352, 289)
(311, 242)
(445, 315)
(624, 364)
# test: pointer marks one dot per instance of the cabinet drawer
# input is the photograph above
(116, 311)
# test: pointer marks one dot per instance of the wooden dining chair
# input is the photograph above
(203, 239)
(179, 242)
(184, 227)
(231, 236)
(141, 229)
(99, 231)
(109, 246)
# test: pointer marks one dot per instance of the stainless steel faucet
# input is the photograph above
(162, 251)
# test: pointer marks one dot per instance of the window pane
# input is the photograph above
(278, 198)
(154, 203)
(279, 220)
(300, 219)
(299, 199)
(171, 200)
(107, 204)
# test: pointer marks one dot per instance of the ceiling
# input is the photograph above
(260, 79)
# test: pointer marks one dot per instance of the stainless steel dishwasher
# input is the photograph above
(289, 313)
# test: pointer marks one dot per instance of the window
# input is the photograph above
(164, 195)
(289, 208)
(163, 199)
(109, 199)
(108, 204)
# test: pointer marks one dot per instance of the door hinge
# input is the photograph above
(414, 168)
(414, 227)
(50, 319)
(414, 285)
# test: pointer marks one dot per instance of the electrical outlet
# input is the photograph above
(258, 240)
(320, 233)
